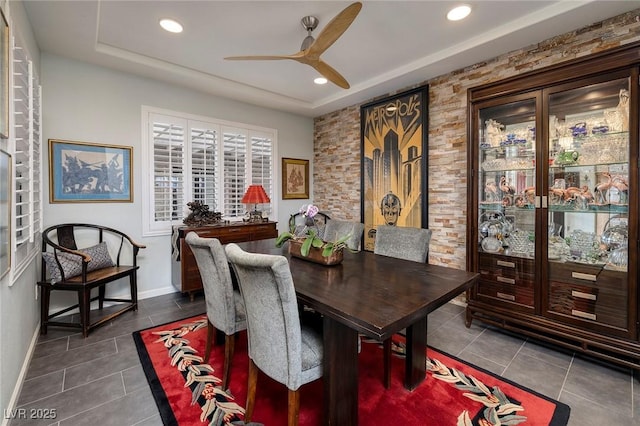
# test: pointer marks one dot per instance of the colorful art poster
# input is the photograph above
(394, 133)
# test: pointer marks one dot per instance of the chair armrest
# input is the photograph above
(85, 257)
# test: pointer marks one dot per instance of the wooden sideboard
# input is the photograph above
(185, 275)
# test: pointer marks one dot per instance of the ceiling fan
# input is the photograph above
(311, 48)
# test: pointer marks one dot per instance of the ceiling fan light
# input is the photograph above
(171, 25)
(320, 80)
(458, 13)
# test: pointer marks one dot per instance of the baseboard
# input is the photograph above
(155, 292)
(20, 381)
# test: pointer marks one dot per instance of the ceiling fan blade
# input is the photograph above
(334, 29)
(295, 57)
(329, 73)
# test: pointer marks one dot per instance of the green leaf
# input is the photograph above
(306, 246)
(282, 238)
(317, 242)
(328, 249)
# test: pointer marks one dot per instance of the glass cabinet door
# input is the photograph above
(506, 206)
(507, 179)
(588, 198)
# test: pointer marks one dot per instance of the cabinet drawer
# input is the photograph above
(579, 274)
(591, 303)
(521, 295)
(262, 232)
(506, 278)
(507, 267)
(574, 273)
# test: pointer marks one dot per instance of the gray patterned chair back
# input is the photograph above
(335, 229)
(278, 345)
(225, 307)
(403, 242)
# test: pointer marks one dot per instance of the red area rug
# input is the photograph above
(454, 392)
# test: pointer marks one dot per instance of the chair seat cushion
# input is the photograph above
(72, 264)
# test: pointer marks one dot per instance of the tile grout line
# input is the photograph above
(524, 342)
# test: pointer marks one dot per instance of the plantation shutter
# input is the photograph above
(35, 112)
(191, 158)
(22, 151)
(235, 171)
(262, 166)
(27, 142)
(169, 168)
(204, 164)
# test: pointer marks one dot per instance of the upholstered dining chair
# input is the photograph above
(336, 229)
(402, 243)
(279, 344)
(225, 307)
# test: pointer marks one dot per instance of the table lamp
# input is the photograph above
(255, 195)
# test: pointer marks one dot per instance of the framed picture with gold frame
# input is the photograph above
(82, 172)
(295, 179)
(4, 76)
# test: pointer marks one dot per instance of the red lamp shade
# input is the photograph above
(255, 195)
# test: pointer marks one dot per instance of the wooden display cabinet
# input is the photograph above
(554, 204)
(185, 274)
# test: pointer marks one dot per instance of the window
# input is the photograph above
(25, 134)
(201, 159)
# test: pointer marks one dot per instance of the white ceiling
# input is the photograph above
(391, 45)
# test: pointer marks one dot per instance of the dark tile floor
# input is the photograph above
(99, 380)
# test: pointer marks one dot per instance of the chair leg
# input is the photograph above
(387, 363)
(84, 305)
(229, 348)
(45, 294)
(211, 331)
(133, 283)
(101, 293)
(294, 407)
(251, 391)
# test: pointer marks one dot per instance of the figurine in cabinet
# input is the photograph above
(493, 132)
(618, 118)
(491, 191)
(602, 189)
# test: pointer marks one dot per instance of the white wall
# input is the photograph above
(82, 102)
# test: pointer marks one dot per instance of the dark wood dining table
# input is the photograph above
(376, 296)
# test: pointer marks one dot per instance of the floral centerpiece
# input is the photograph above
(308, 243)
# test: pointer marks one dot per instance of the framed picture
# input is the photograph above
(295, 178)
(81, 172)
(4, 77)
(394, 134)
(5, 213)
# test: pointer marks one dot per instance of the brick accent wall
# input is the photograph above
(337, 135)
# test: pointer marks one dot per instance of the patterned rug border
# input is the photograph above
(166, 413)
(560, 415)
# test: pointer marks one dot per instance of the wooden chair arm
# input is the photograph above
(85, 257)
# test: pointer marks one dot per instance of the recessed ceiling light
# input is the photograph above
(320, 80)
(171, 25)
(458, 13)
